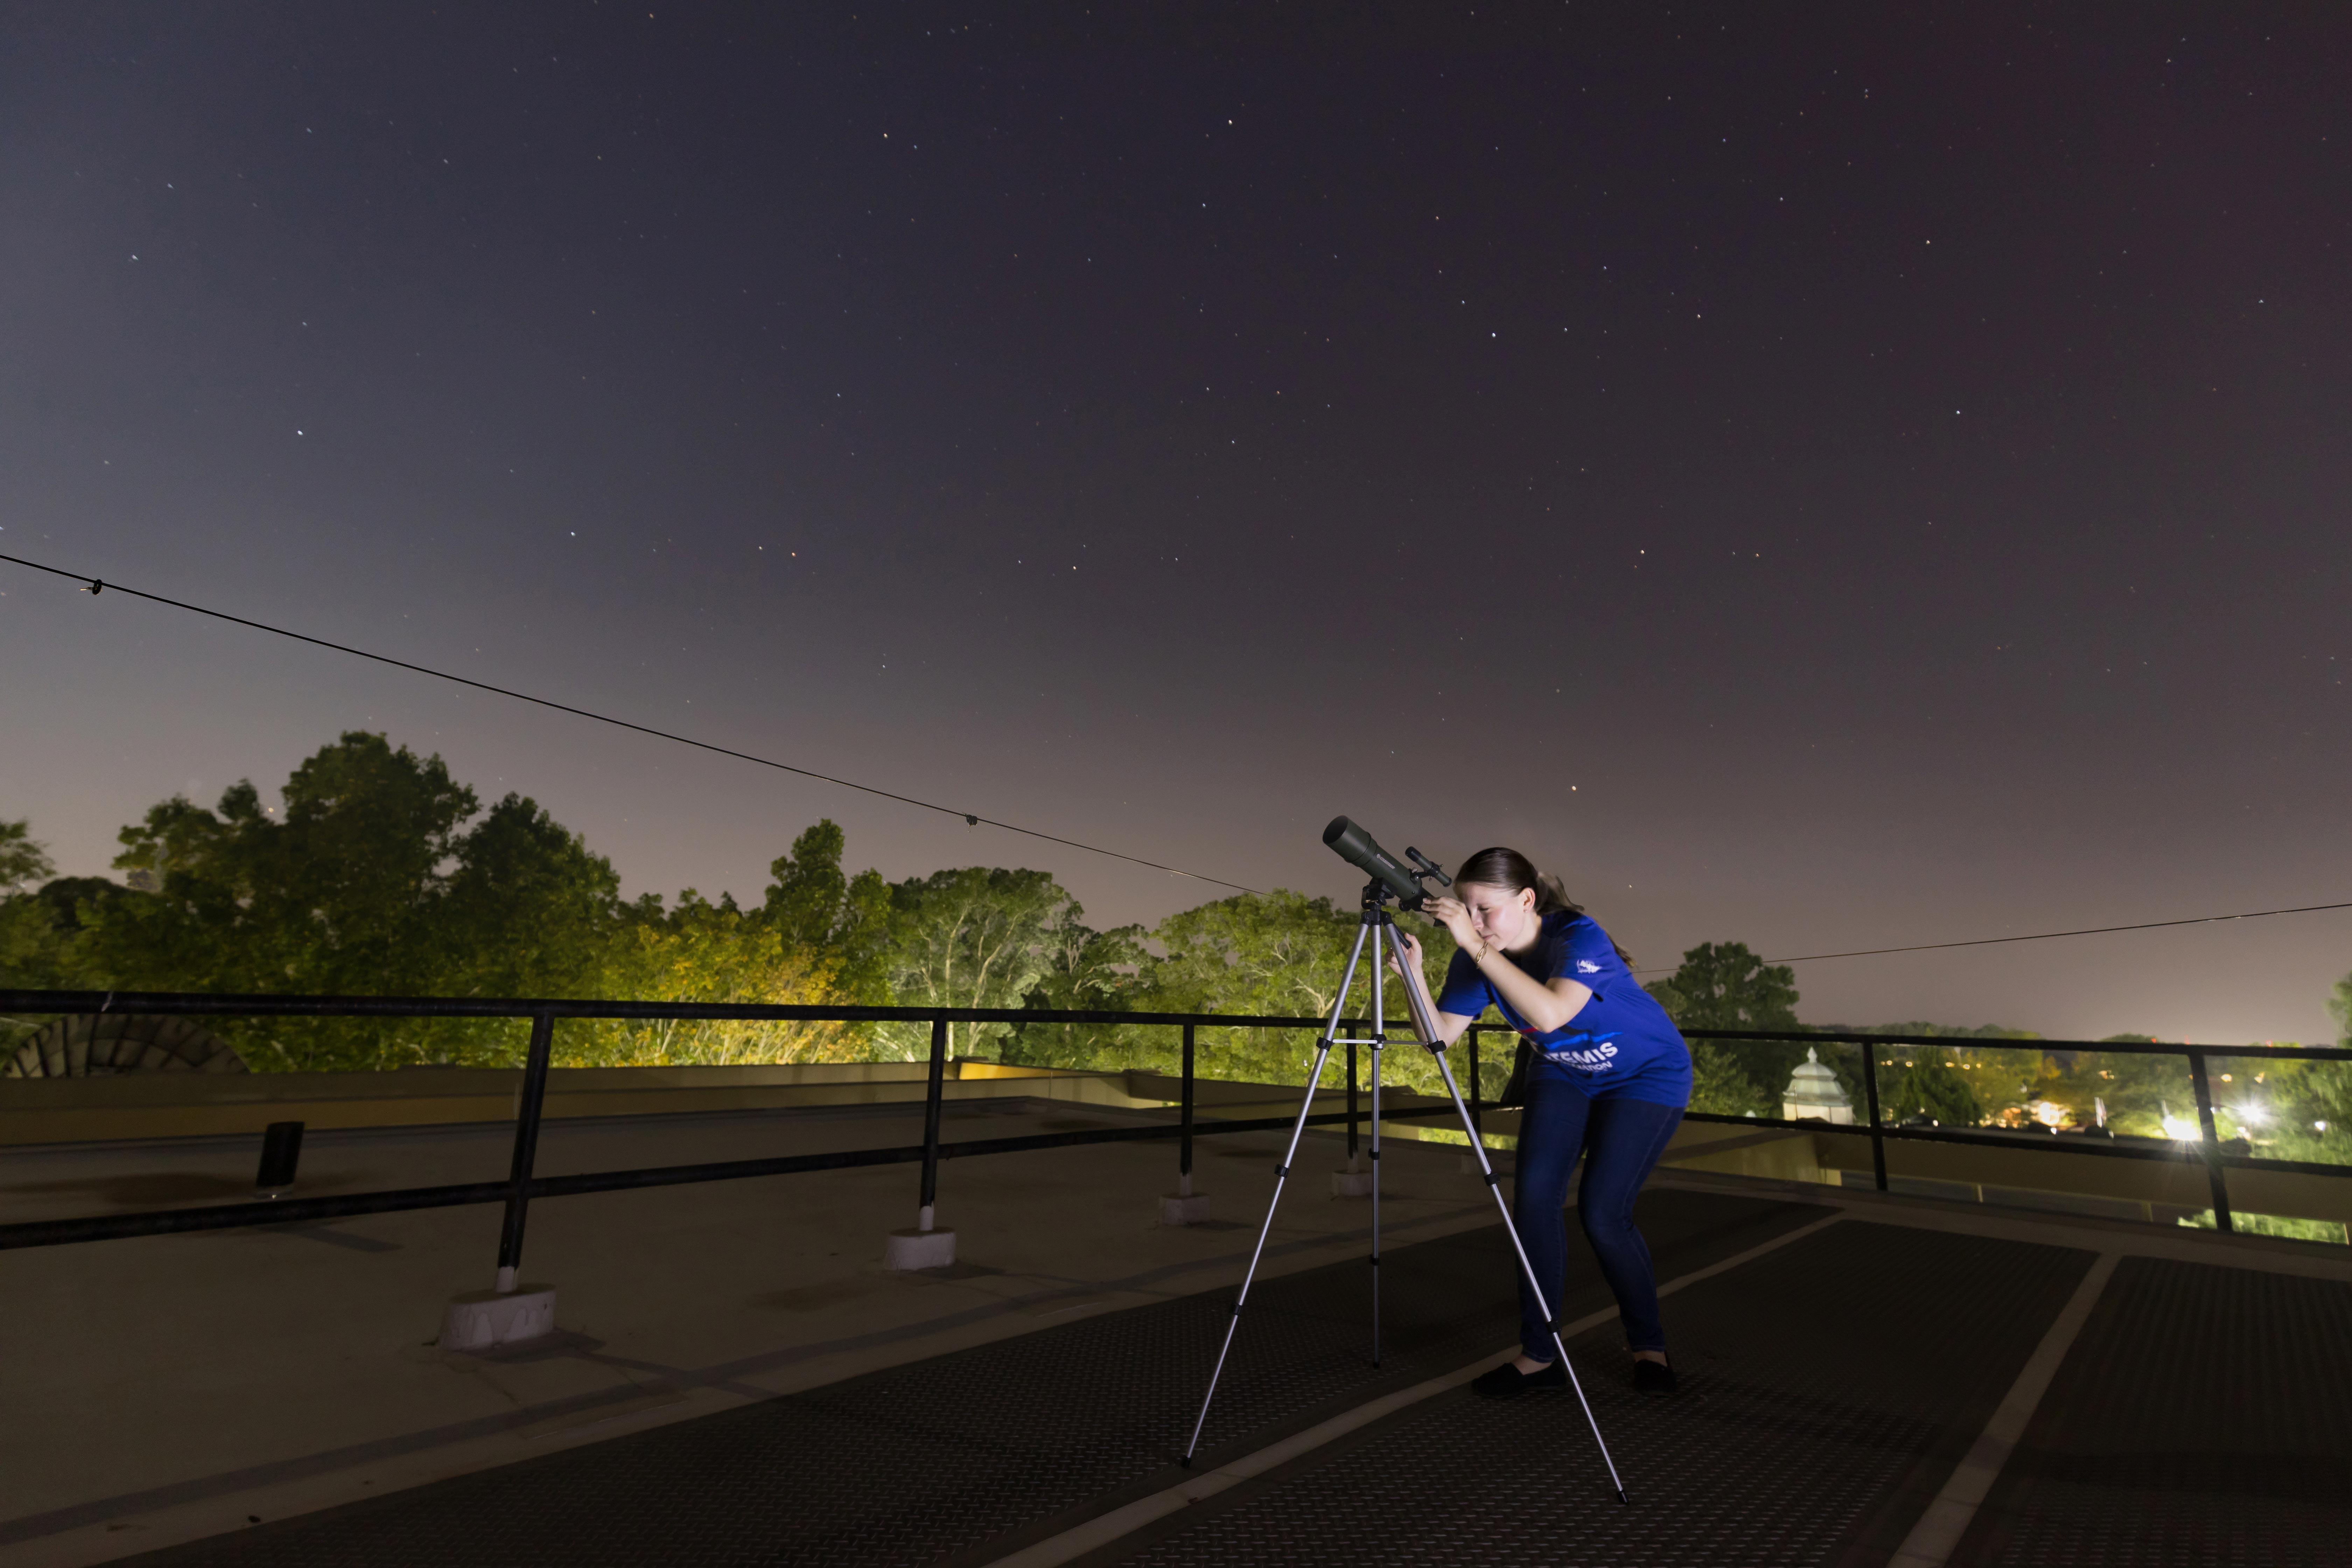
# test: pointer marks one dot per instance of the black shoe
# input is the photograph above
(1651, 1378)
(1507, 1381)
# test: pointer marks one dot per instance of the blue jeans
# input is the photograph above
(1621, 1140)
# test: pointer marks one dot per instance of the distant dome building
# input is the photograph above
(1813, 1091)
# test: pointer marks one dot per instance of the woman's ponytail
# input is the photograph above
(1551, 894)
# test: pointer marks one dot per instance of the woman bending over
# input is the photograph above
(1609, 1079)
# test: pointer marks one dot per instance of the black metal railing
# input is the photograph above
(2207, 1149)
(522, 1183)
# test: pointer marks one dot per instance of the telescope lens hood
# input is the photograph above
(1357, 847)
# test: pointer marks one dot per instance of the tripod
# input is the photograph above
(1380, 930)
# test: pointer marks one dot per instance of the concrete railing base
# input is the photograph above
(484, 1320)
(1183, 1208)
(1351, 1184)
(919, 1249)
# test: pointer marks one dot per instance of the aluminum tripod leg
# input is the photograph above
(1281, 1176)
(1543, 1298)
(1379, 1038)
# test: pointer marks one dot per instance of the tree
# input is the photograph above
(340, 895)
(819, 936)
(34, 950)
(1272, 953)
(1087, 971)
(72, 901)
(1725, 986)
(40, 933)
(702, 951)
(843, 922)
(366, 884)
(1928, 1086)
(1972, 1078)
(526, 910)
(2300, 1110)
(971, 937)
(1283, 954)
(21, 860)
(1278, 953)
(1721, 1086)
(41, 946)
(383, 875)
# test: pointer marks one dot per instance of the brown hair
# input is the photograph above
(1512, 871)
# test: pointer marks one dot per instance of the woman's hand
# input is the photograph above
(1455, 918)
(1411, 945)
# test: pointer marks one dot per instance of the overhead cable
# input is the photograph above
(95, 586)
(2044, 936)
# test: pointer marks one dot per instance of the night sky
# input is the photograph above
(1818, 475)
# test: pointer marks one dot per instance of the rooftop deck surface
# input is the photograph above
(1834, 1374)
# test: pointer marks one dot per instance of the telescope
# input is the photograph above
(1359, 850)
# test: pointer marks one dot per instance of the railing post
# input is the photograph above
(1185, 1121)
(931, 1098)
(1870, 1093)
(2211, 1147)
(526, 1146)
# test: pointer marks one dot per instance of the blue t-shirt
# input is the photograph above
(1619, 1044)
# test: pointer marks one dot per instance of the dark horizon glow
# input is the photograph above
(96, 586)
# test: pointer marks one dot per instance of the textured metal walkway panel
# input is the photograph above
(2203, 1419)
(1824, 1387)
(957, 1458)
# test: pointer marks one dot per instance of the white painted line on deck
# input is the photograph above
(1104, 1529)
(1736, 1260)
(1931, 1541)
